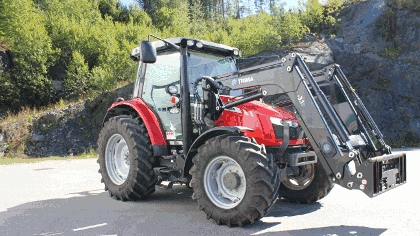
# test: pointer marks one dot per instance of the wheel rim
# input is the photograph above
(301, 180)
(224, 182)
(117, 159)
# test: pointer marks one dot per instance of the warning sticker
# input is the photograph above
(170, 135)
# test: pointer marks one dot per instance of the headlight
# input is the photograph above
(190, 43)
(199, 44)
(172, 89)
(281, 122)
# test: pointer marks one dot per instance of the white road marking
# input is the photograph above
(90, 227)
(49, 233)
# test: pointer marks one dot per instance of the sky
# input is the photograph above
(289, 3)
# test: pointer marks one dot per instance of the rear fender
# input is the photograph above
(217, 131)
(138, 107)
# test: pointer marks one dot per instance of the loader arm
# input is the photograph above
(347, 152)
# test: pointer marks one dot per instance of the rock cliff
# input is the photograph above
(384, 73)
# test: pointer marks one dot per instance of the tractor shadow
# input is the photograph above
(341, 230)
(271, 224)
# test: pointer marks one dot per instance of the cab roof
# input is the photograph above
(223, 49)
(208, 47)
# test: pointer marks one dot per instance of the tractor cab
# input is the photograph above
(159, 84)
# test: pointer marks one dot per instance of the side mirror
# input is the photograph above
(148, 52)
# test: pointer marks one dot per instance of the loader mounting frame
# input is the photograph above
(370, 169)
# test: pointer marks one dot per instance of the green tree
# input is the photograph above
(173, 21)
(33, 55)
(288, 25)
(254, 34)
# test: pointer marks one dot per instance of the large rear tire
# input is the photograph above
(234, 182)
(125, 155)
(310, 185)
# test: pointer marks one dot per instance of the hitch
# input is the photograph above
(159, 185)
(378, 174)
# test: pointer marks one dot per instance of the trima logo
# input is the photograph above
(246, 80)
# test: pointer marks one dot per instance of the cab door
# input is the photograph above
(158, 76)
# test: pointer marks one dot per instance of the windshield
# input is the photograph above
(201, 64)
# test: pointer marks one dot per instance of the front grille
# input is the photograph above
(294, 132)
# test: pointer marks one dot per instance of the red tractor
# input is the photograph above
(196, 118)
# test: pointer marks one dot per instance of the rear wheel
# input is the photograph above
(234, 182)
(125, 155)
(310, 185)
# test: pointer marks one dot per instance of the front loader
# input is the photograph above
(197, 119)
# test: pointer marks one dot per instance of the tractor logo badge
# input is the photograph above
(246, 80)
(234, 82)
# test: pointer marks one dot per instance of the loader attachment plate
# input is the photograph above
(385, 172)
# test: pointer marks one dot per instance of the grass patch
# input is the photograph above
(28, 113)
(381, 89)
(383, 81)
(391, 51)
(11, 161)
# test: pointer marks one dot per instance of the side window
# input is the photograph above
(165, 71)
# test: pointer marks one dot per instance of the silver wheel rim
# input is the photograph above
(301, 180)
(219, 189)
(117, 159)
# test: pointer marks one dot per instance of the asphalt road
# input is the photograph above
(67, 198)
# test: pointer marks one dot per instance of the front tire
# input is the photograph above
(310, 185)
(234, 182)
(125, 155)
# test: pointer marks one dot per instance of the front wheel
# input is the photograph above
(234, 182)
(309, 185)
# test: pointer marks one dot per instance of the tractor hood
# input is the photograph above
(265, 121)
(264, 109)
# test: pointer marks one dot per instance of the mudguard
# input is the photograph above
(216, 131)
(146, 114)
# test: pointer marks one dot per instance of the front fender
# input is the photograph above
(144, 112)
(234, 130)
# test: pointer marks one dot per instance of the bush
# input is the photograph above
(77, 82)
